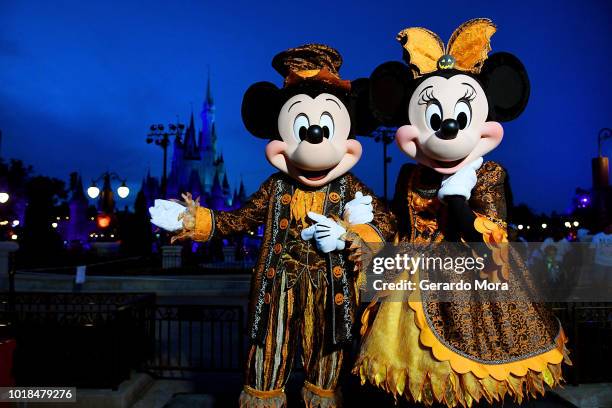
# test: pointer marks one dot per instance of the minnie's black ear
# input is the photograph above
(389, 92)
(260, 107)
(506, 84)
(363, 121)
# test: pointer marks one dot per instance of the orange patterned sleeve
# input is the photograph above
(489, 195)
(201, 223)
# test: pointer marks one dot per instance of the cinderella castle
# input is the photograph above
(198, 167)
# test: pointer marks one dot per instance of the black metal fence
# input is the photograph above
(197, 338)
(94, 340)
(90, 340)
(589, 328)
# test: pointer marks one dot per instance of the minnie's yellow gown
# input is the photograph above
(457, 353)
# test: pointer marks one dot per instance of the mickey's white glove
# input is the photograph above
(462, 182)
(165, 214)
(326, 233)
(359, 210)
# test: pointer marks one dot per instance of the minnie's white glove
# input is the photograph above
(462, 182)
(326, 232)
(359, 210)
(165, 214)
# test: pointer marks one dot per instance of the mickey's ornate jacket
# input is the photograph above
(276, 205)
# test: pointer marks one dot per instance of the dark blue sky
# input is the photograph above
(80, 83)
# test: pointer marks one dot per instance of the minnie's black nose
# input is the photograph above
(314, 134)
(448, 130)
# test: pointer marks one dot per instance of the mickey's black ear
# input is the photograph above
(389, 92)
(260, 107)
(363, 121)
(506, 84)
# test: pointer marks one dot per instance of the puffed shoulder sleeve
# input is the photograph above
(489, 195)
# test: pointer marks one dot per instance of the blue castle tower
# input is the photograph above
(197, 166)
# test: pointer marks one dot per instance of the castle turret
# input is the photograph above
(196, 164)
(194, 186)
(175, 169)
(78, 224)
(235, 199)
(242, 192)
(207, 115)
(152, 190)
(217, 199)
(191, 151)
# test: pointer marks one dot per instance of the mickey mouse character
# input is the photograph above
(300, 287)
(448, 102)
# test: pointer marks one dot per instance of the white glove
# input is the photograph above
(462, 182)
(326, 233)
(165, 214)
(359, 210)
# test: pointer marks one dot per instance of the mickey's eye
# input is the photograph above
(327, 124)
(463, 114)
(433, 116)
(300, 127)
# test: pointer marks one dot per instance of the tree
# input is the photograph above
(135, 229)
(43, 195)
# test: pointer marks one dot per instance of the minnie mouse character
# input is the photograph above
(300, 288)
(448, 102)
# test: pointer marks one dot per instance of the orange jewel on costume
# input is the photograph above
(466, 50)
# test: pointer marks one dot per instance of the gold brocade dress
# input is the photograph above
(457, 353)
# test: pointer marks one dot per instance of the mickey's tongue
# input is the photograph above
(314, 175)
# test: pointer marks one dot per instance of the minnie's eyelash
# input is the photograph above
(469, 96)
(426, 97)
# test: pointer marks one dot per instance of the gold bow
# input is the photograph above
(467, 48)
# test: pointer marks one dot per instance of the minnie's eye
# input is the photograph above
(433, 116)
(300, 127)
(463, 114)
(327, 124)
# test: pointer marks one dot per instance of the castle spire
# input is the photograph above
(207, 115)
(216, 190)
(242, 192)
(226, 186)
(209, 98)
(191, 149)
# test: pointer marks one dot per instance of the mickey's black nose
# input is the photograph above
(314, 134)
(448, 130)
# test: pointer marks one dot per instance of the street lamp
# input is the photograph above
(93, 191)
(385, 135)
(4, 197)
(161, 137)
(123, 191)
(106, 200)
(604, 134)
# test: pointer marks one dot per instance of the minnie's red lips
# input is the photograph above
(315, 175)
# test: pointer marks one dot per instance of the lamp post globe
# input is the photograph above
(123, 191)
(93, 191)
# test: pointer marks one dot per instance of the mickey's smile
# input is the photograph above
(314, 175)
(447, 164)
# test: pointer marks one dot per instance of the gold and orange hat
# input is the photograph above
(467, 48)
(311, 62)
